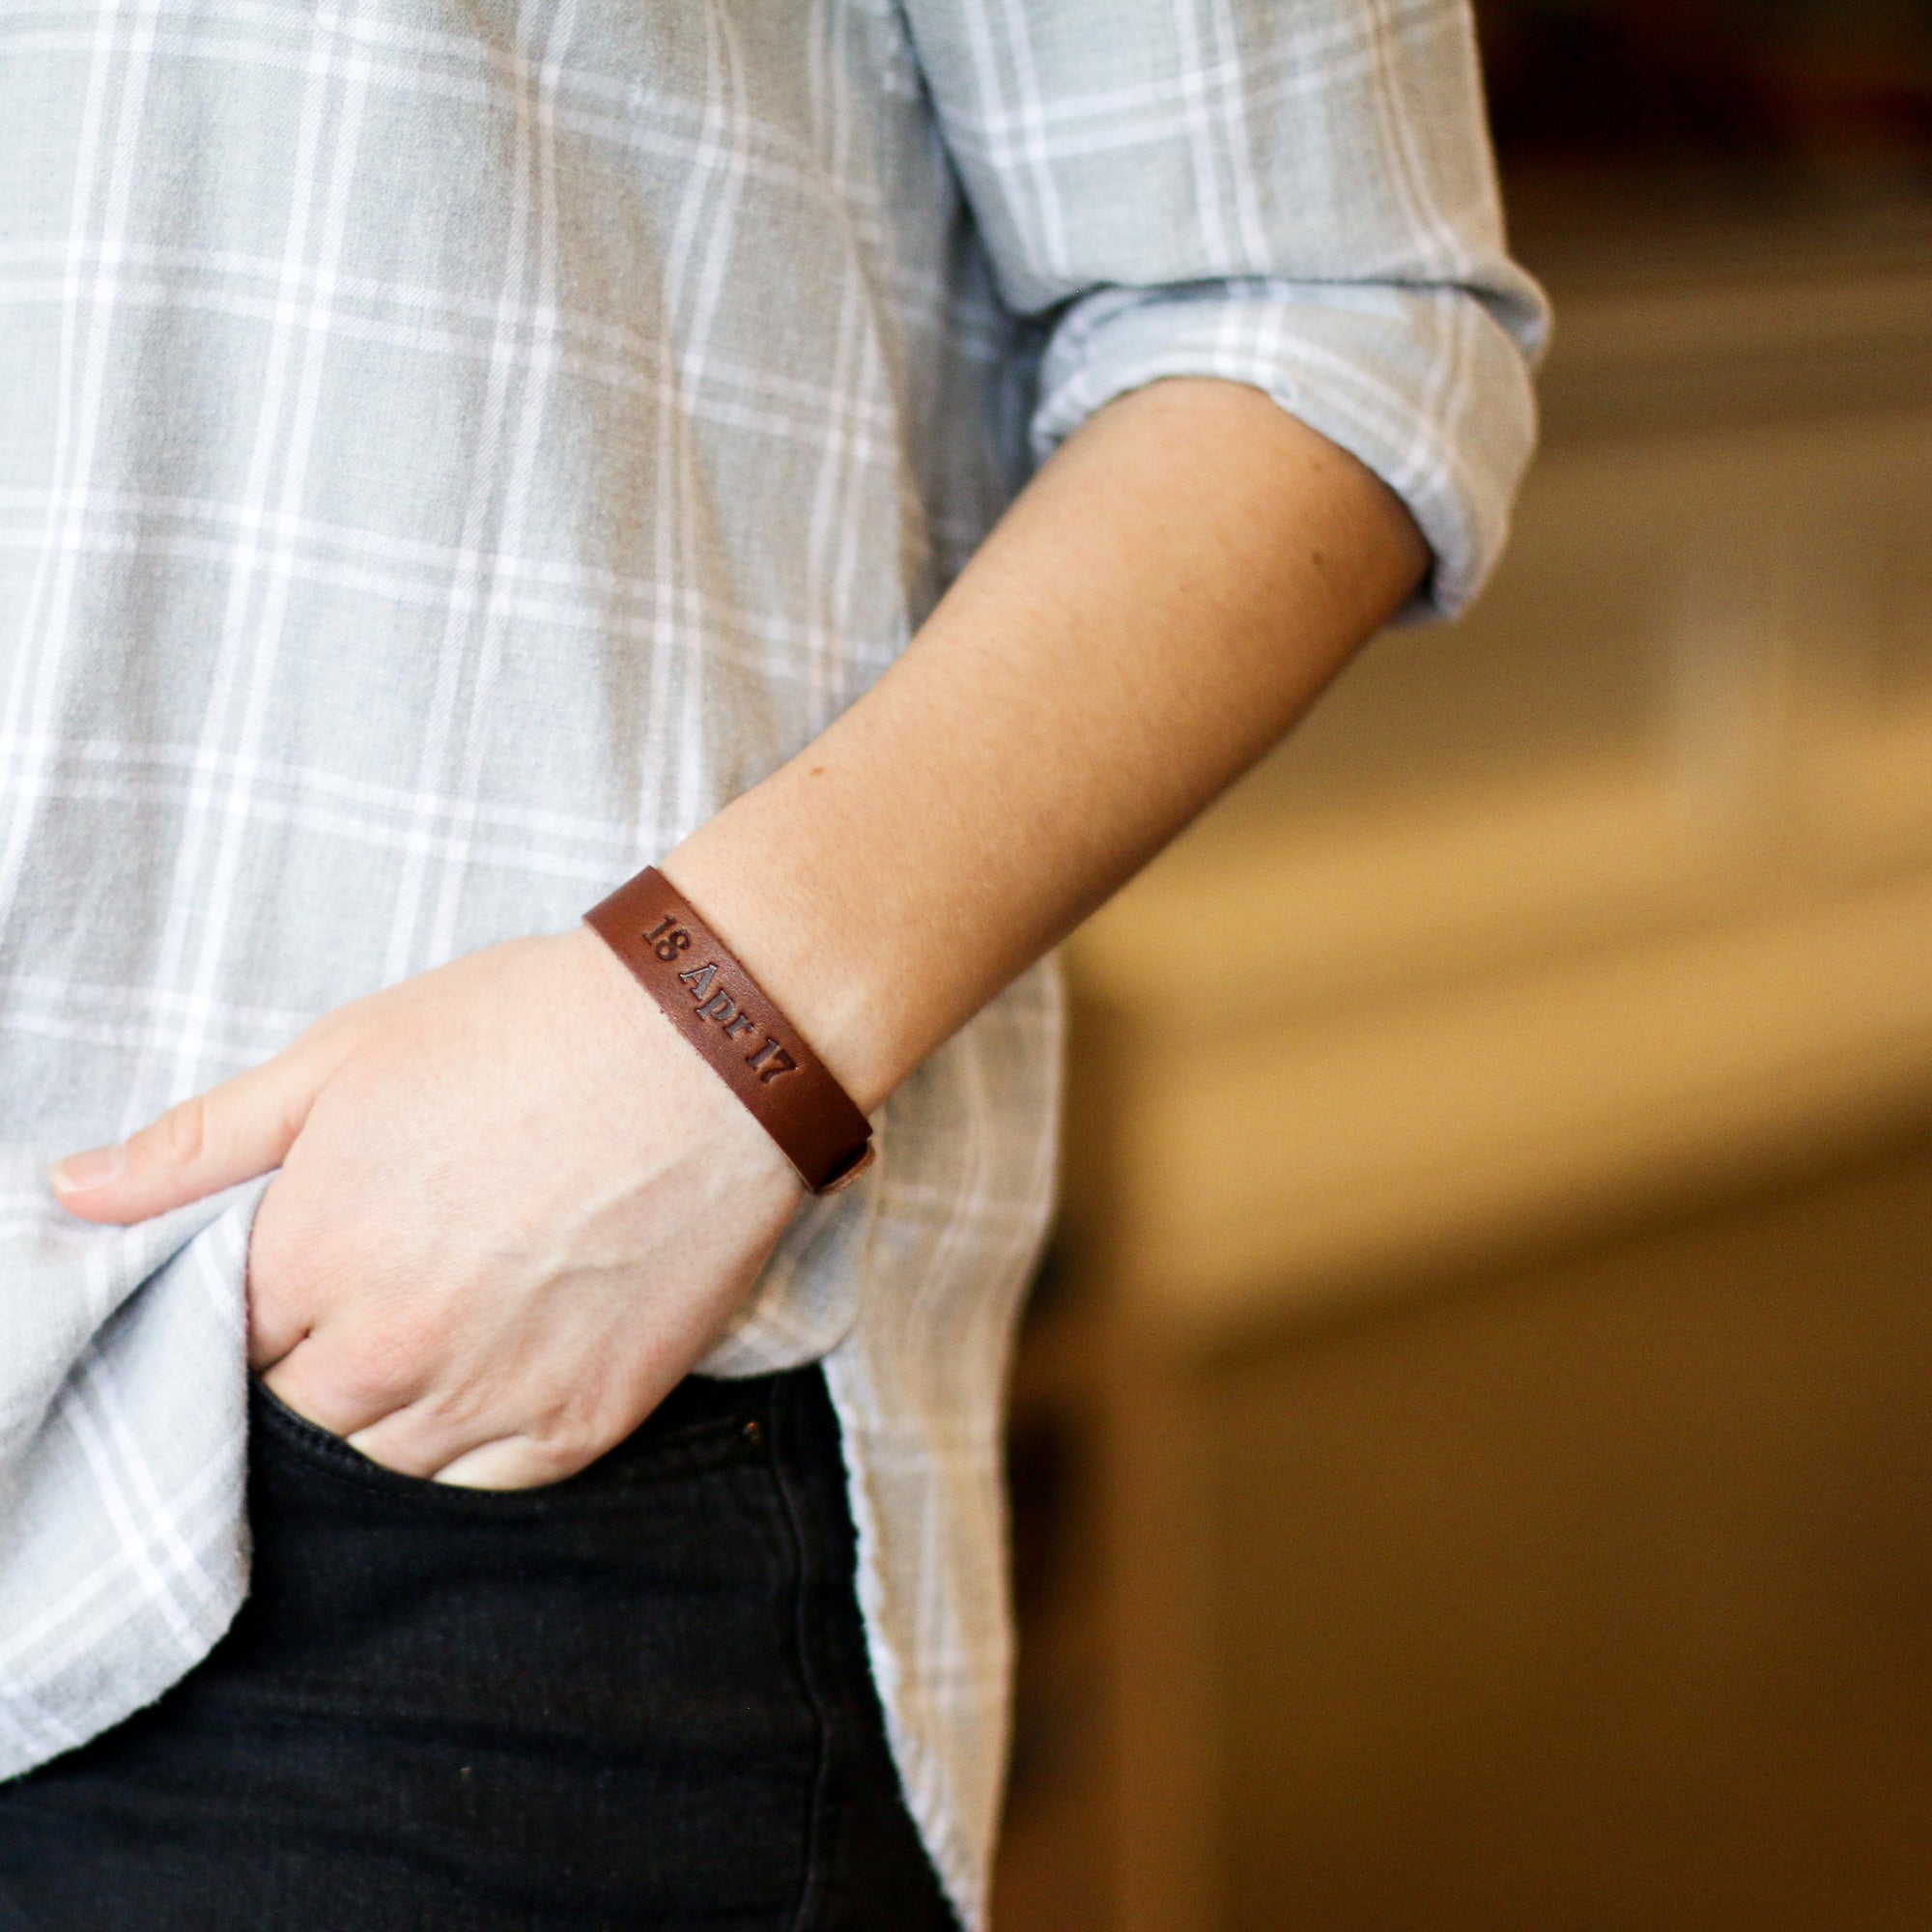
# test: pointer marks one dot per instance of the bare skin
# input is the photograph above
(514, 1207)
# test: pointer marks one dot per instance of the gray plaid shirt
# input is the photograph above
(448, 451)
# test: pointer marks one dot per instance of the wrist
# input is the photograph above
(798, 942)
(724, 1012)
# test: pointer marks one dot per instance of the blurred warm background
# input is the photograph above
(1473, 1448)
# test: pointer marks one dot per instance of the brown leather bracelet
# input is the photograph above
(724, 1013)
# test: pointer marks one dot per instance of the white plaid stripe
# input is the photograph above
(448, 451)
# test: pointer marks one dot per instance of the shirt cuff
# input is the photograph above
(1429, 387)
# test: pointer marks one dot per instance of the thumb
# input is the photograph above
(231, 1133)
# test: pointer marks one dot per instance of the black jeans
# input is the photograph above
(637, 1700)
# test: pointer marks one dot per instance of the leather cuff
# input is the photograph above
(702, 989)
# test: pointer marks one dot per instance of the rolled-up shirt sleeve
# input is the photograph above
(1295, 194)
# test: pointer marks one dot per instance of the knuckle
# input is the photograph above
(280, 1262)
(179, 1138)
(554, 1456)
(385, 1359)
(291, 1264)
(570, 1437)
(364, 1383)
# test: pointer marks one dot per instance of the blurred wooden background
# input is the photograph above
(1473, 1444)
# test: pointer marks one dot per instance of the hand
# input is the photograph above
(514, 1208)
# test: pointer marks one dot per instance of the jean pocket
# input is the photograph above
(702, 1424)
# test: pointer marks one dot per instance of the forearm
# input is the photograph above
(1158, 607)
(513, 1210)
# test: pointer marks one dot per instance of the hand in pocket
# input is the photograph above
(513, 1210)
